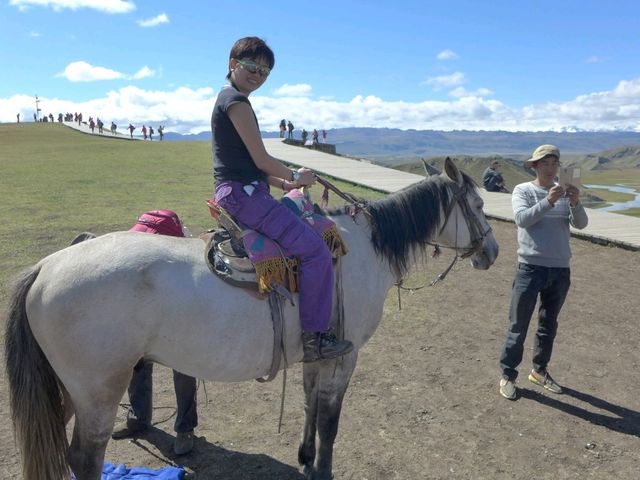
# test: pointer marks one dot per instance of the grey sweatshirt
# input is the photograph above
(543, 229)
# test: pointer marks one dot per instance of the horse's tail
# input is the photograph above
(35, 394)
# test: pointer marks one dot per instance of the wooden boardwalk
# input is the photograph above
(604, 227)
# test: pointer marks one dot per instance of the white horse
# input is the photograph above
(82, 317)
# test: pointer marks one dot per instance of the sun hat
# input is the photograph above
(541, 152)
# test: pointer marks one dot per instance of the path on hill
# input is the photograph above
(121, 134)
(603, 226)
(423, 402)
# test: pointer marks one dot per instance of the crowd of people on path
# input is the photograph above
(287, 128)
(147, 131)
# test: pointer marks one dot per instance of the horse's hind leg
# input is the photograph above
(325, 385)
(95, 416)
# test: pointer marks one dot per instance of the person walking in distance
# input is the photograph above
(543, 212)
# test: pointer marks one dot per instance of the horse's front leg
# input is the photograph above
(325, 384)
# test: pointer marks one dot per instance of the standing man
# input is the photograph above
(543, 212)
(160, 222)
(492, 178)
(290, 129)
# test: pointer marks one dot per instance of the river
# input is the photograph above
(617, 206)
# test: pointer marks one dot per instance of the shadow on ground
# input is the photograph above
(623, 419)
(213, 461)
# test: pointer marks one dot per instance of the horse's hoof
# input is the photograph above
(311, 473)
(308, 472)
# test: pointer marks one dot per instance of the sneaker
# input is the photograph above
(323, 346)
(508, 389)
(183, 443)
(128, 430)
(545, 381)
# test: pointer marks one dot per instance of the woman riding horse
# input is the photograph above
(244, 170)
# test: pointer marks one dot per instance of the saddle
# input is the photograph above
(231, 254)
(230, 250)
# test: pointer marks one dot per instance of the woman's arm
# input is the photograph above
(243, 119)
(281, 183)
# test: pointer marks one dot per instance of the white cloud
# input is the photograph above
(187, 110)
(447, 55)
(155, 21)
(297, 90)
(144, 72)
(106, 6)
(81, 71)
(445, 81)
(460, 92)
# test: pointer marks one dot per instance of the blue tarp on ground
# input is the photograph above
(120, 472)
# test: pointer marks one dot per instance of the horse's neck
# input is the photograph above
(362, 257)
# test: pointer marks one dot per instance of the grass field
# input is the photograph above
(57, 182)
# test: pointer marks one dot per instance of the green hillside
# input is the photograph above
(615, 158)
(58, 182)
(512, 170)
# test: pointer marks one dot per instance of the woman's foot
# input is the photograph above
(323, 346)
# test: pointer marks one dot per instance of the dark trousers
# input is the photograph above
(531, 281)
(140, 396)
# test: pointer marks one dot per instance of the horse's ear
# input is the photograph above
(429, 170)
(452, 172)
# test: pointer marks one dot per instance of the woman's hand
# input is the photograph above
(307, 177)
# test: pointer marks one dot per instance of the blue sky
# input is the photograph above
(454, 65)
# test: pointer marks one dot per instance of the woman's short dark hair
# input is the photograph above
(253, 48)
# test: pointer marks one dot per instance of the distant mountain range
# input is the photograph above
(394, 146)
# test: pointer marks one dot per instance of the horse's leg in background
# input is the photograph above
(325, 384)
(95, 409)
(307, 448)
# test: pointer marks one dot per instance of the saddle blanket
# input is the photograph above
(120, 472)
(269, 259)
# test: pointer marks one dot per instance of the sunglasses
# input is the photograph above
(253, 67)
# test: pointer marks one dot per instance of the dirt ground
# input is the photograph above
(424, 403)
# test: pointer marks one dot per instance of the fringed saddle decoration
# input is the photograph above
(248, 259)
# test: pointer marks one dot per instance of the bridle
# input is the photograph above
(476, 230)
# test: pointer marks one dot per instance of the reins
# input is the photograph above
(359, 204)
(476, 233)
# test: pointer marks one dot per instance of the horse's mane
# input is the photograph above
(408, 218)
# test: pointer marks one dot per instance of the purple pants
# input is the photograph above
(254, 207)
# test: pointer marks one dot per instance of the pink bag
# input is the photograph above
(163, 222)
